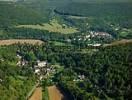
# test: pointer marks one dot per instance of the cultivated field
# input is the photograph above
(37, 95)
(53, 26)
(55, 94)
(21, 41)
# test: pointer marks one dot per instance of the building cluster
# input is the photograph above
(91, 35)
(79, 78)
(99, 34)
(41, 68)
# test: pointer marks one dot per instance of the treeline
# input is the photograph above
(104, 17)
(11, 33)
(90, 9)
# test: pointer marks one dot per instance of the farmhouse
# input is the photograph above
(79, 78)
(1, 80)
(41, 63)
(18, 56)
(1, 59)
(21, 61)
(37, 71)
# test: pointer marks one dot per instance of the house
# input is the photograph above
(79, 78)
(19, 63)
(22, 62)
(18, 56)
(1, 80)
(2, 60)
(40, 67)
(87, 36)
(41, 77)
(68, 40)
(48, 69)
(37, 71)
(97, 45)
(41, 63)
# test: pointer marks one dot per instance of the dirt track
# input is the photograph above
(54, 93)
(37, 95)
(21, 41)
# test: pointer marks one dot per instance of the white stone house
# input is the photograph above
(40, 67)
(41, 63)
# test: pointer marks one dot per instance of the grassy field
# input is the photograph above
(124, 32)
(21, 41)
(57, 43)
(53, 26)
(45, 94)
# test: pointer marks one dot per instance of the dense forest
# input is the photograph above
(103, 70)
(107, 74)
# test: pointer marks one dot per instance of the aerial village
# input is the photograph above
(92, 36)
(41, 68)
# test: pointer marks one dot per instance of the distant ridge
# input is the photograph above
(10, 0)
